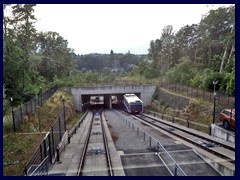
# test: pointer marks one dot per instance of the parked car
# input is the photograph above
(227, 117)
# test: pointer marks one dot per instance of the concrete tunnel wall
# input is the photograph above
(82, 95)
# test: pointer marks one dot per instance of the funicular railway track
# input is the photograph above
(95, 158)
(215, 147)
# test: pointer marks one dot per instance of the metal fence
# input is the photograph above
(188, 123)
(30, 107)
(171, 165)
(45, 154)
(221, 98)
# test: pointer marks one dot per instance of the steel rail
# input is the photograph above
(85, 148)
(197, 135)
(110, 170)
(186, 139)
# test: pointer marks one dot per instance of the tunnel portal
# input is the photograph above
(108, 96)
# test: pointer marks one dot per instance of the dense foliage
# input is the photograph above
(31, 59)
(198, 54)
(113, 62)
(195, 55)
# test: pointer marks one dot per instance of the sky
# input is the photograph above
(100, 28)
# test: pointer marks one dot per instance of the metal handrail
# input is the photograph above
(44, 161)
(160, 145)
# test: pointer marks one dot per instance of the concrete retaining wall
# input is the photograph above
(222, 133)
(172, 100)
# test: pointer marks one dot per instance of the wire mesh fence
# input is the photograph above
(30, 107)
(184, 122)
(221, 98)
(47, 149)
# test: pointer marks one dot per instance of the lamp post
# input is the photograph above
(214, 100)
(14, 128)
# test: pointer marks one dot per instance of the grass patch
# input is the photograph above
(74, 121)
(19, 147)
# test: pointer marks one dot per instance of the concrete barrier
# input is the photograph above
(222, 133)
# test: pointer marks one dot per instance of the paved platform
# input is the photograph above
(144, 165)
(223, 166)
(70, 158)
(94, 165)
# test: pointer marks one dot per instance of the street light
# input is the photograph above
(214, 100)
(14, 128)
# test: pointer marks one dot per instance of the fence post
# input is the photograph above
(41, 152)
(60, 131)
(150, 141)
(50, 149)
(69, 139)
(14, 126)
(35, 104)
(25, 171)
(58, 154)
(63, 101)
(21, 114)
(45, 148)
(53, 139)
(41, 98)
(162, 116)
(172, 119)
(188, 123)
(31, 106)
(175, 174)
(219, 95)
(210, 130)
(26, 107)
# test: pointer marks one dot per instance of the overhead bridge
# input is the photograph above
(81, 95)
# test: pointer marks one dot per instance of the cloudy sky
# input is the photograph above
(121, 27)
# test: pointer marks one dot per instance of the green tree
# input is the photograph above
(56, 57)
(23, 23)
(19, 38)
(218, 26)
